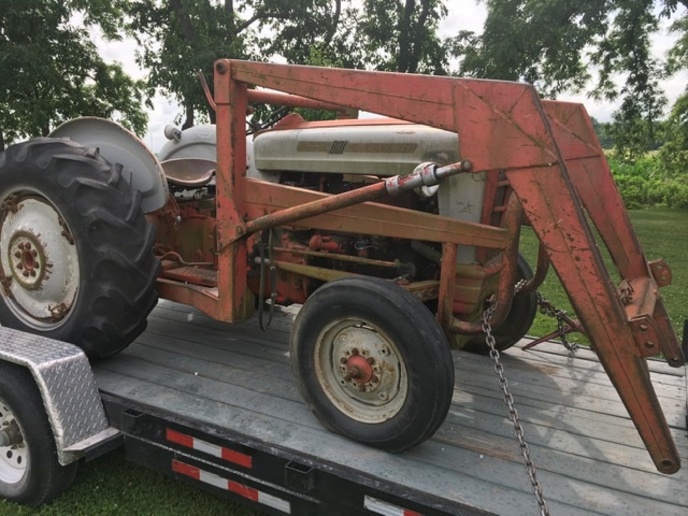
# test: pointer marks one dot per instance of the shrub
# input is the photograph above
(646, 183)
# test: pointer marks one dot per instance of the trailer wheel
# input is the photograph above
(76, 259)
(372, 363)
(29, 470)
(517, 322)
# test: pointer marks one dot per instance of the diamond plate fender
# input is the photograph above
(68, 388)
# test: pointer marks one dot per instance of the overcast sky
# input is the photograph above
(463, 15)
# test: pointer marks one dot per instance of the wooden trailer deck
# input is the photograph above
(589, 457)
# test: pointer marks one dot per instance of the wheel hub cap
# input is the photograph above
(27, 259)
(13, 458)
(39, 262)
(361, 371)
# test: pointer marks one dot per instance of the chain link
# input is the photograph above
(548, 308)
(513, 414)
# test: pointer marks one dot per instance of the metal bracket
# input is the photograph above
(660, 272)
(647, 335)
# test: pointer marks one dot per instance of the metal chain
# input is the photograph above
(548, 308)
(513, 414)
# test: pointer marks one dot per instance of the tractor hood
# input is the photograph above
(381, 147)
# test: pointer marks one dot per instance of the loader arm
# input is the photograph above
(551, 160)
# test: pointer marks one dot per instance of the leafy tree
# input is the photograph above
(50, 70)
(563, 45)
(401, 35)
(673, 155)
(180, 37)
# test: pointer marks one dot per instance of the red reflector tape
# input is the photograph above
(242, 490)
(385, 508)
(188, 441)
(185, 469)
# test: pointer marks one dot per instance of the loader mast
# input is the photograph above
(548, 155)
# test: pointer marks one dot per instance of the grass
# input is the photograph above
(112, 486)
(663, 233)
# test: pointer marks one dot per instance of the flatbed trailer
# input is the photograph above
(215, 405)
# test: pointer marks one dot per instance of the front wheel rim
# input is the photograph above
(40, 267)
(361, 370)
(13, 458)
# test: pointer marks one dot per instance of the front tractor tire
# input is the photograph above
(76, 252)
(372, 363)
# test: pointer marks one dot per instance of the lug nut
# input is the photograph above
(17, 254)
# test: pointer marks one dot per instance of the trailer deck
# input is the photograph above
(217, 403)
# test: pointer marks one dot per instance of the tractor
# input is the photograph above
(398, 235)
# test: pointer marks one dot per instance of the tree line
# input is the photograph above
(50, 69)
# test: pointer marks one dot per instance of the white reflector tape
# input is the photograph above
(386, 509)
(242, 490)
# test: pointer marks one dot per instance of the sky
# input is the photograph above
(463, 15)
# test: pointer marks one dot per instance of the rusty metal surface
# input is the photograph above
(371, 218)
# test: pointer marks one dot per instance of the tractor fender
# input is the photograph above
(116, 144)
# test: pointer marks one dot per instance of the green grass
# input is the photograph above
(663, 233)
(112, 486)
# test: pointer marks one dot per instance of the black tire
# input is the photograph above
(93, 268)
(408, 384)
(29, 470)
(517, 322)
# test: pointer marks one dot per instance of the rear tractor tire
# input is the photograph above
(518, 321)
(372, 363)
(76, 252)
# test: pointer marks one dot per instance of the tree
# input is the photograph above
(50, 70)
(401, 35)
(180, 37)
(602, 45)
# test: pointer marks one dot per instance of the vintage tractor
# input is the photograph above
(398, 235)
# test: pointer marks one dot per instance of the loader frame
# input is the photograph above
(545, 152)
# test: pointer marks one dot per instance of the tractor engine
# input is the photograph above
(330, 157)
(288, 263)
